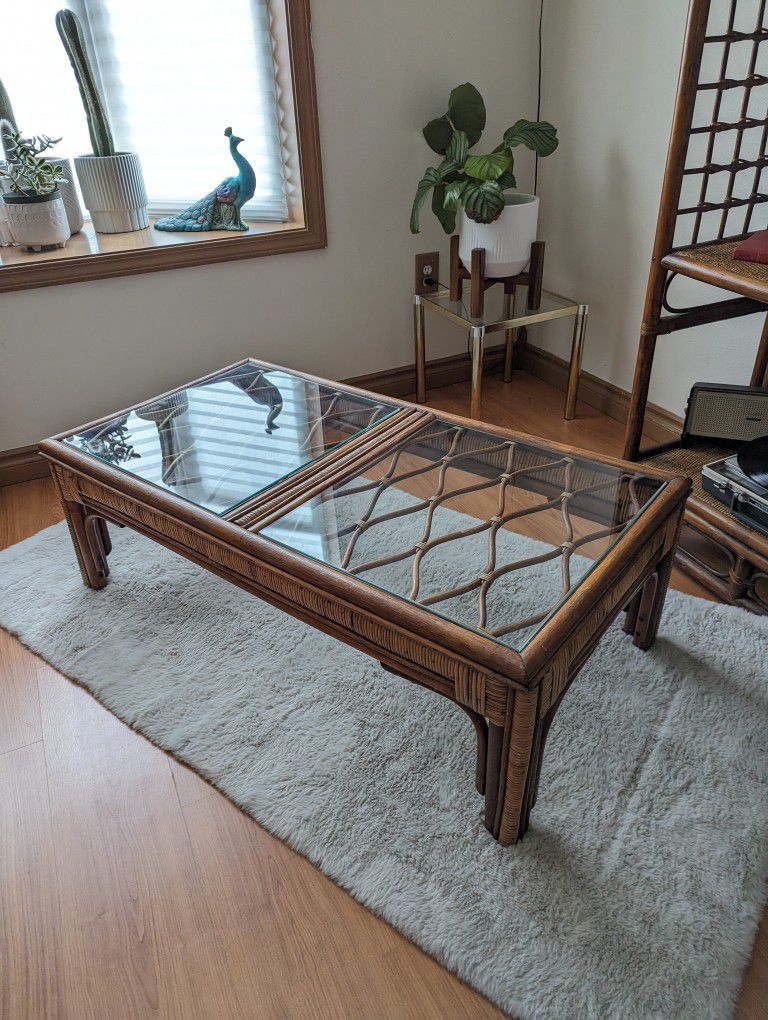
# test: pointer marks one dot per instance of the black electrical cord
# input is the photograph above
(538, 101)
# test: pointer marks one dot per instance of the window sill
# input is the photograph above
(92, 256)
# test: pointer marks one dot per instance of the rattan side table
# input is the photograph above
(552, 306)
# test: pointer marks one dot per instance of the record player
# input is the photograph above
(741, 483)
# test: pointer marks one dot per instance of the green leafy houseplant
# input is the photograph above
(30, 174)
(477, 182)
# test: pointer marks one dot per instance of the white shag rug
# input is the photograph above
(636, 892)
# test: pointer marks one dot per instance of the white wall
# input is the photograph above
(71, 353)
(610, 74)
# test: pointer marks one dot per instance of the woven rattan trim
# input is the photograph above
(717, 258)
(689, 460)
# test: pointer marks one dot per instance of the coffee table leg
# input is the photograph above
(481, 733)
(514, 754)
(644, 614)
(494, 750)
(91, 541)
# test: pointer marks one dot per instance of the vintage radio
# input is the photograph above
(718, 411)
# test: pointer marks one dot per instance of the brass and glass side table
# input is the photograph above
(509, 320)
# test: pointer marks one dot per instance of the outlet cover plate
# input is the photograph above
(427, 272)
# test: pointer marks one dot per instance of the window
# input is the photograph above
(174, 74)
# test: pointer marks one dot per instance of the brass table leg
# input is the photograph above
(421, 354)
(510, 336)
(577, 351)
(478, 345)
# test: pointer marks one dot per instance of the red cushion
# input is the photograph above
(754, 248)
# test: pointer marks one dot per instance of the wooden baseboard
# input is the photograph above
(22, 465)
(661, 426)
(401, 382)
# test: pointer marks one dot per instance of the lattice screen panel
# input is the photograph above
(725, 187)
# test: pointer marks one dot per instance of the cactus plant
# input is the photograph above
(71, 35)
(7, 120)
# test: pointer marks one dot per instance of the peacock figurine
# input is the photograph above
(219, 210)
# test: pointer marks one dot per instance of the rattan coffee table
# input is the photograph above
(480, 563)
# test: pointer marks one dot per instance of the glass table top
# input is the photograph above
(490, 533)
(551, 306)
(221, 441)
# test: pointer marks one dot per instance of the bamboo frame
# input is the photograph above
(707, 257)
(510, 695)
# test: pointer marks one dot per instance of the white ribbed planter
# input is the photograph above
(37, 223)
(69, 196)
(507, 241)
(113, 191)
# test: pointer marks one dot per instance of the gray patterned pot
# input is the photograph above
(37, 222)
(67, 191)
(113, 191)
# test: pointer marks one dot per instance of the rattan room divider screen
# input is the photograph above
(714, 194)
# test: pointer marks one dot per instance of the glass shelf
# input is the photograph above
(552, 306)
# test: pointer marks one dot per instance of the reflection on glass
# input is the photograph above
(490, 533)
(222, 441)
(109, 442)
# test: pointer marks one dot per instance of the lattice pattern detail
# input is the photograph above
(750, 136)
(562, 474)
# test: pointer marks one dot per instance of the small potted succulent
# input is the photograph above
(67, 187)
(112, 182)
(34, 209)
(477, 188)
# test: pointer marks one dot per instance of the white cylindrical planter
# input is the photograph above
(113, 191)
(38, 222)
(507, 241)
(69, 196)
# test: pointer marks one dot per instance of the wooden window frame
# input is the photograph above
(263, 239)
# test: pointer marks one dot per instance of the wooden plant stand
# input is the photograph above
(479, 282)
(703, 214)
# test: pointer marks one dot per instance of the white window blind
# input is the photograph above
(173, 75)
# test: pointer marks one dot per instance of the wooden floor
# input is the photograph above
(129, 888)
